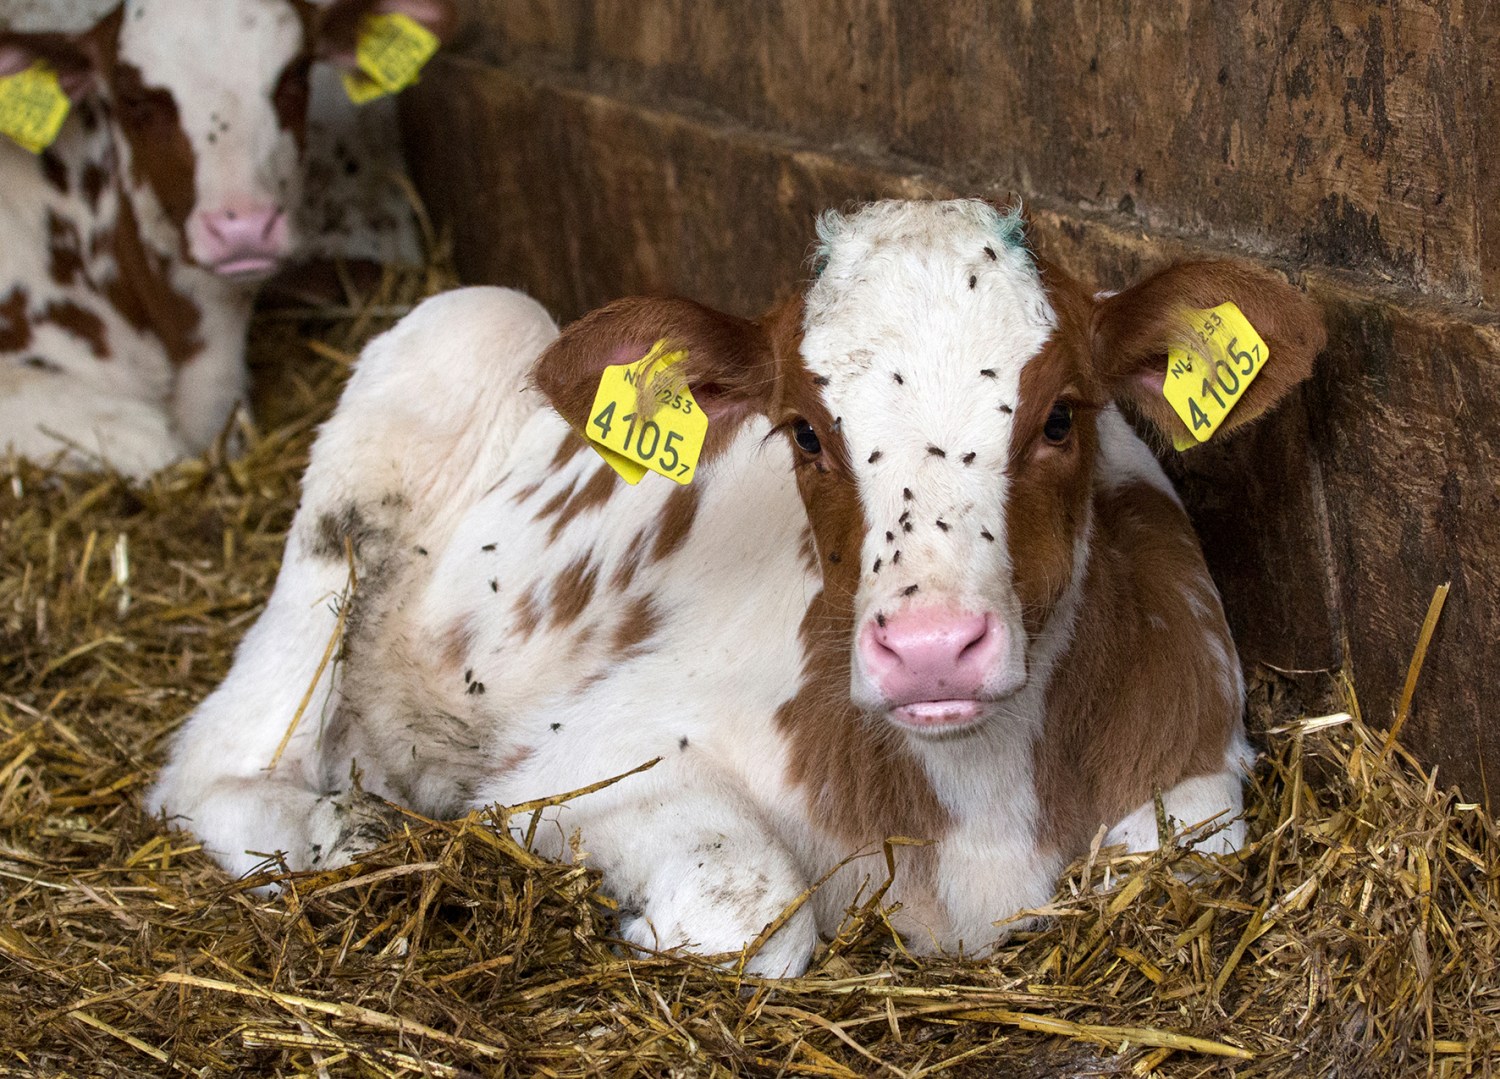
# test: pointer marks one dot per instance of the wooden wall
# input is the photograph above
(587, 149)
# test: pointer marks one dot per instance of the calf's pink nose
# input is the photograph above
(247, 238)
(931, 654)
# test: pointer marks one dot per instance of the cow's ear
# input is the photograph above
(1134, 329)
(339, 24)
(81, 60)
(728, 365)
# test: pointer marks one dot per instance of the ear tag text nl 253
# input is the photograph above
(33, 107)
(1203, 388)
(391, 52)
(668, 442)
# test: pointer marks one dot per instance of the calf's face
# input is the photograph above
(940, 390)
(210, 101)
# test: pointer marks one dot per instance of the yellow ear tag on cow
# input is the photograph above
(33, 107)
(669, 441)
(391, 52)
(1203, 388)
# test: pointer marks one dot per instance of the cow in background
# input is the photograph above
(928, 583)
(136, 241)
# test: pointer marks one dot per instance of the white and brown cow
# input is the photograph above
(134, 244)
(927, 583)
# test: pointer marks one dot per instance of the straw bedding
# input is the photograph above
(1356, 936)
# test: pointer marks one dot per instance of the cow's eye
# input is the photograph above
(1059, 423)
(806, 437)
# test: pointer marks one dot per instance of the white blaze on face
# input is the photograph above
(222, 61)
(921, 321)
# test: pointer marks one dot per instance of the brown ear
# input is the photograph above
(728, 366)
(80, 60)
(338, 25)
(1133, 329)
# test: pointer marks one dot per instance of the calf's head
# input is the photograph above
(941, 388)
(209, 106)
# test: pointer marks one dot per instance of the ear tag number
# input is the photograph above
(391, 52)
(33, 107)
(668, 442)
(1202, 389)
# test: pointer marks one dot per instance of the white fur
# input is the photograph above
(451, 697)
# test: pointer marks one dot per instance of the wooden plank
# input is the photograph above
(1343, 133)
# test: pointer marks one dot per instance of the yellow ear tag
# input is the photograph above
(33, 107)
(669, 442)
(391, 52)
(1202, 389)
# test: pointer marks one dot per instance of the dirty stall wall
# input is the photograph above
(587, 149)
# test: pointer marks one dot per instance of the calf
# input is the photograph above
(135, 242)
(928, 583)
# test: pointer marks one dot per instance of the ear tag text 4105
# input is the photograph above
(33, 107)
(1203, 388)
(669, 441)
(391, 52)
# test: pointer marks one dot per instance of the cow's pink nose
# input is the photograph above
(245, 240)
(931, 654)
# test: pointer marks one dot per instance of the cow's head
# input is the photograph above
(941, 389)
(209, 102)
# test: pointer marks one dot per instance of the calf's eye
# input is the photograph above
(1059, 423)
(806, 437)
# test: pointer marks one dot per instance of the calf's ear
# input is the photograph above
(80, 59)
(728, 367)
(1133, 329)
(339, 24)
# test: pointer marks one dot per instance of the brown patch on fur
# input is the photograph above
(571, 445)
(676, 521)
(64, 250)
(826, 484)
(513, 760)
(1048, 504)
(594, 492)
(630, 562)
(54, 171)
(1132, 707)
(528, 615)
(455, 642)
(78, 322)
(573, 590)
(95, 178)
(15, 320)
(144, 295)
(807, 551)
(638, 625)
(1133, 329)
(161, 156)
(526, 492)
(556, 502)
(861, 781)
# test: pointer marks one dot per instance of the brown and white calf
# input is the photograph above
(134, 244)
(927, 583)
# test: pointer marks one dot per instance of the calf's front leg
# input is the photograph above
(693, 863)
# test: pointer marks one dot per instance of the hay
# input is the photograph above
(1355, 936)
